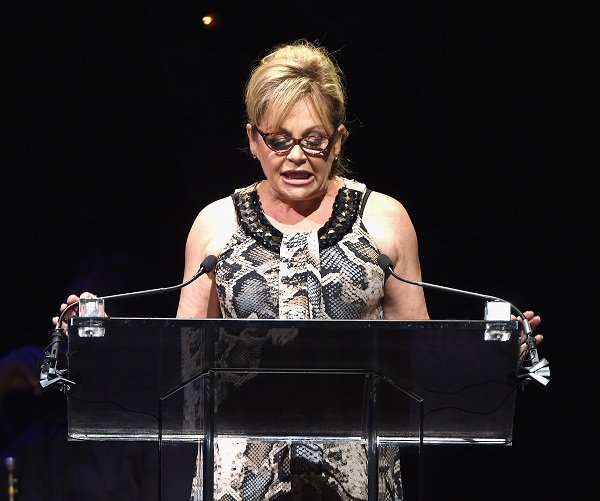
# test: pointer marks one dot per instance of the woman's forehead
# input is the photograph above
(302, 113)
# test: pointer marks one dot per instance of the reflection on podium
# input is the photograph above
(186, 383)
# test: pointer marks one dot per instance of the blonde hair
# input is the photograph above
(291, 72)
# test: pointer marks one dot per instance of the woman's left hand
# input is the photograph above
(534, 322)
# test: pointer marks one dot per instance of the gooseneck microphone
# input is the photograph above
(386, 264)
(50, 375)
(539, 370)
(208, 265)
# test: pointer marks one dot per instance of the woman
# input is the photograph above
(290, 236)
(302, 243)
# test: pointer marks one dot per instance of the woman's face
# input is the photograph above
(295, 174)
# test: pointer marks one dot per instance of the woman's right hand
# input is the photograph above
(73, 298)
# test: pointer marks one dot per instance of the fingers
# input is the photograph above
(534, 322)
(522, 351)
(64, 327)
(73, 298)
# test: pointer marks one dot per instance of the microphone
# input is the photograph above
(539, 370)
(207, 265)
(50, 375)
(386, 264)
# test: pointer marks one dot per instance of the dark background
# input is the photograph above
(125, 118)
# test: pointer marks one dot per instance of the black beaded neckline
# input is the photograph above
(255, 224)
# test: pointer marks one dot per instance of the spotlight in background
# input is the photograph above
(210, 20)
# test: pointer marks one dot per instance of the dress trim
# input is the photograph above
(255, 224)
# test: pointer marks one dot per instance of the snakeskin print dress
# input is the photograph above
(329, 273)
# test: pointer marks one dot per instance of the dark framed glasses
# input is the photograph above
(311, 144)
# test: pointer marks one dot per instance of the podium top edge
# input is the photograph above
(234, 323)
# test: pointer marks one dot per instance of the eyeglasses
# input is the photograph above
(313, 144)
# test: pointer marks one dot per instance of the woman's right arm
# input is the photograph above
(208, 235)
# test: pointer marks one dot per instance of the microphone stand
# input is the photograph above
(51, 376)
(537, 370)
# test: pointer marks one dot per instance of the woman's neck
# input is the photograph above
(298, 215)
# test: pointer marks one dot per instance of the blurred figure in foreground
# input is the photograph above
(33, 423)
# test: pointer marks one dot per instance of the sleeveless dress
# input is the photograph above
(329, 273)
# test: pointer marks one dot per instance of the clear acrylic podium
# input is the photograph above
(185, 383)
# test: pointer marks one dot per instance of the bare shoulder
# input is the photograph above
(216, 207)
(214, 225)
(215, 213)
(389, 224)
(384, 210)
